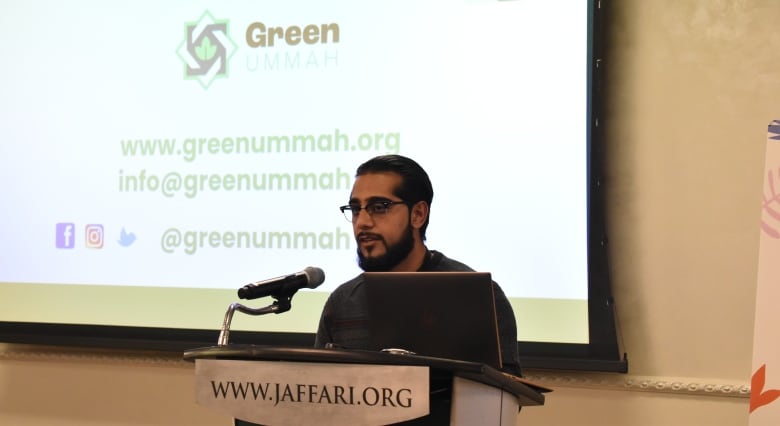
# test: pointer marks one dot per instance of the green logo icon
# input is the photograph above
(206, 49)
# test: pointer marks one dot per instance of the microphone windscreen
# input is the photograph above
(315, 275)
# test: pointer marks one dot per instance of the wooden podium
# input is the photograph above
(287, 385)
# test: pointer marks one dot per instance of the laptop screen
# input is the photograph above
(438, 314)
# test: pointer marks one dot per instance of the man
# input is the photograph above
(390, 209)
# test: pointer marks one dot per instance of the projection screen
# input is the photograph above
(159, 155)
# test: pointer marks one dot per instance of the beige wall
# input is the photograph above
(692, 87)
(45, 387)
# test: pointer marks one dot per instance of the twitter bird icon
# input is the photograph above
(126, 238)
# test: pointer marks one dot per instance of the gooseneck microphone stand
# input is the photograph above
(282, 303)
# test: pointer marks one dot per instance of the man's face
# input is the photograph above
(383, 240)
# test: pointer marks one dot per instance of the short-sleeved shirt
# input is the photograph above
(344, 319)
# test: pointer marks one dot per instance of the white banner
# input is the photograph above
(765, 382)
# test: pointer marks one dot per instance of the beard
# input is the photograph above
(394, 254)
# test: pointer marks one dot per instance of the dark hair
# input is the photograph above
(415, 184)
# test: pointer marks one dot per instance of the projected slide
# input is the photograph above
(205, 145)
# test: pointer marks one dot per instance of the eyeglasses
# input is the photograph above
(374, 208)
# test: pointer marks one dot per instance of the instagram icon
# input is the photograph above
(94, 236)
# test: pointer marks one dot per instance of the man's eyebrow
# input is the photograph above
(373, 199)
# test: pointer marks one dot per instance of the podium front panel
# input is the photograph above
(280, 392)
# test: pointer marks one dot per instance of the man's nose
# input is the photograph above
(363, 219)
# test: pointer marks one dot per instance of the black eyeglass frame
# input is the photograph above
(373, 207)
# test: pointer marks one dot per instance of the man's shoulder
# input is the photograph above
(348, 288)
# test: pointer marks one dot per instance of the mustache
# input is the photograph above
(369, 235)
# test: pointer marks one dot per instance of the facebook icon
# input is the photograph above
(65, 238)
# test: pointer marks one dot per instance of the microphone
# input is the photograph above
(284, 286)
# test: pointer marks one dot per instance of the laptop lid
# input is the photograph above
(439, 314)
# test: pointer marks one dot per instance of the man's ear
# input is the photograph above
(419, 214)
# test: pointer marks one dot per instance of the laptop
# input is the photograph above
(438, 314)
